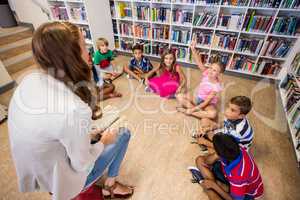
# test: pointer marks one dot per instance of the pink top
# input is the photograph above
(206, 87)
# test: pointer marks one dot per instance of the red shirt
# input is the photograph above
(243, 176)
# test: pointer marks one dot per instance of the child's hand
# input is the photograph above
(109, 136)
(193, 43)
(208, 184)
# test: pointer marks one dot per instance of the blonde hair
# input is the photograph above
(100, 41)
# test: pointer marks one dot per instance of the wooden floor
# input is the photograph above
(160, 149)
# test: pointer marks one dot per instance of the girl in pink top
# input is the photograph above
(204, 105)
(169, 79)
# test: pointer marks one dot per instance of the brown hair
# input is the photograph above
(100, 40)
(243, 102)
(217, 60)
(56, 49)
(163, 66)
(137, 47)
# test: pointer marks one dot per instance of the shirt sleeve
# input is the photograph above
(76, 140)
(97, 58)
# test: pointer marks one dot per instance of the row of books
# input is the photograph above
(250, 45)
(181, 52)
(142, 31)
(224, 41)
(224, 58)
(264, 67)
(207, 2)
(286, 25)
(146, 47)
(257, 23)
(276, 48)
(291, 4)
(295, 67)
(126, 29)
(142, 12)
(124, 9)
(78, 13)
(235, 2)
(203, 38)
(265, 3)
(160, 14)
(126, 44)
(183, 1)
(180, 36)
(160, 32)
(207, 19)
(59, 13)
(182, 16)
(159, 48)
(230, 21)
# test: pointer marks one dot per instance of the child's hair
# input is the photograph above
(217, 60)
(102, 40)
(162, 65)
(243, 102)
(137, 47)
(226, 146)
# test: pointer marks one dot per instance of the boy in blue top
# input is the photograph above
(139, 65)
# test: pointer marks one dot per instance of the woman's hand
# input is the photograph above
(109, 136)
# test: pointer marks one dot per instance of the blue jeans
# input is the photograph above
(111, 157)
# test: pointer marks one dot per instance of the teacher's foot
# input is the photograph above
(118, 190)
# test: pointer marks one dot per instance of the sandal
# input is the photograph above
(112, 195)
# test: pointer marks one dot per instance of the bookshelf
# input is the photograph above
(85, 14)
(224, 29)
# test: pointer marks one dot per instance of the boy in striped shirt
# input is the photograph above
(234, 177)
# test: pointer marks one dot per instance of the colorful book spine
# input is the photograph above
(181, 52)
(160, 14)
(232, 22)
(142, 12)
(207, 2)
(124, 10)
(224, 41)
(286, 25)
(126, 29)
(276, 48)
(59, 13)
(235, 2)
(257, 23)
(243, 63)
(78, 13)
(142, 31)
(158, 48)
(207, 19)
(182, 16)
(117, 45)
(295, 67)
(146, 47)
(250, 46)
(126, 44)
(295, 4)
(265, 3)
(160, 32)
(203, 38)
(224, 58)
(181, 36)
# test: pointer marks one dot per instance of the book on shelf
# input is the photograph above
(126, 44)
(183, 1)
(142, 30)
(182, 16)
(160, 32)
(203, 37)
(124, 9)
(249, 45)
(78, 13)
(59, 12)
(146, 46)
(265, 3)
(116, 40)
(86, 32)
(257, 23)
(126, 29)
(286, 26)
(158, 48)
(276, 48)
(232, 22)
(295, 67)
(224, 41)
(115, 26)
(181, 36)
(141, 12)
(181, 52)
(160, 14)
(207, 2)
(294, 4)
(268, 67)
(206, 19)
(235, 2)
(112, 9)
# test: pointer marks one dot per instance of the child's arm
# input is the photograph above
(151, 73)
(196, 55)
(181, 78)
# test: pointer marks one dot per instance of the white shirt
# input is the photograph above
(48, 126)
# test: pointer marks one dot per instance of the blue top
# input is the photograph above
(144, 64)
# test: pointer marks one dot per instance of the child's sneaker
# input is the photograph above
(197, 176)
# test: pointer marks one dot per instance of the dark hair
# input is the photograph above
(56, 48)
(162, 65)
(137, 47)
(226, 146)
(243, 102)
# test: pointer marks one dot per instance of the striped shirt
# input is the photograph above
(243, 176)
(144, 64)
(241, 130)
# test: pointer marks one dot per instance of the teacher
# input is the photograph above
(49, 122)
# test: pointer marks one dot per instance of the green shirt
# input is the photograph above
(103, 59)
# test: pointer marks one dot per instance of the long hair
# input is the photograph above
(162, 66)
(56, 49)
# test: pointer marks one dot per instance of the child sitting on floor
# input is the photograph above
(235, 124)
(235, 176)
(102, 60)
(169, 79)
(204, 105)
(139, 65)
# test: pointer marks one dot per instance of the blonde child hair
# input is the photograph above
(101, 41)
